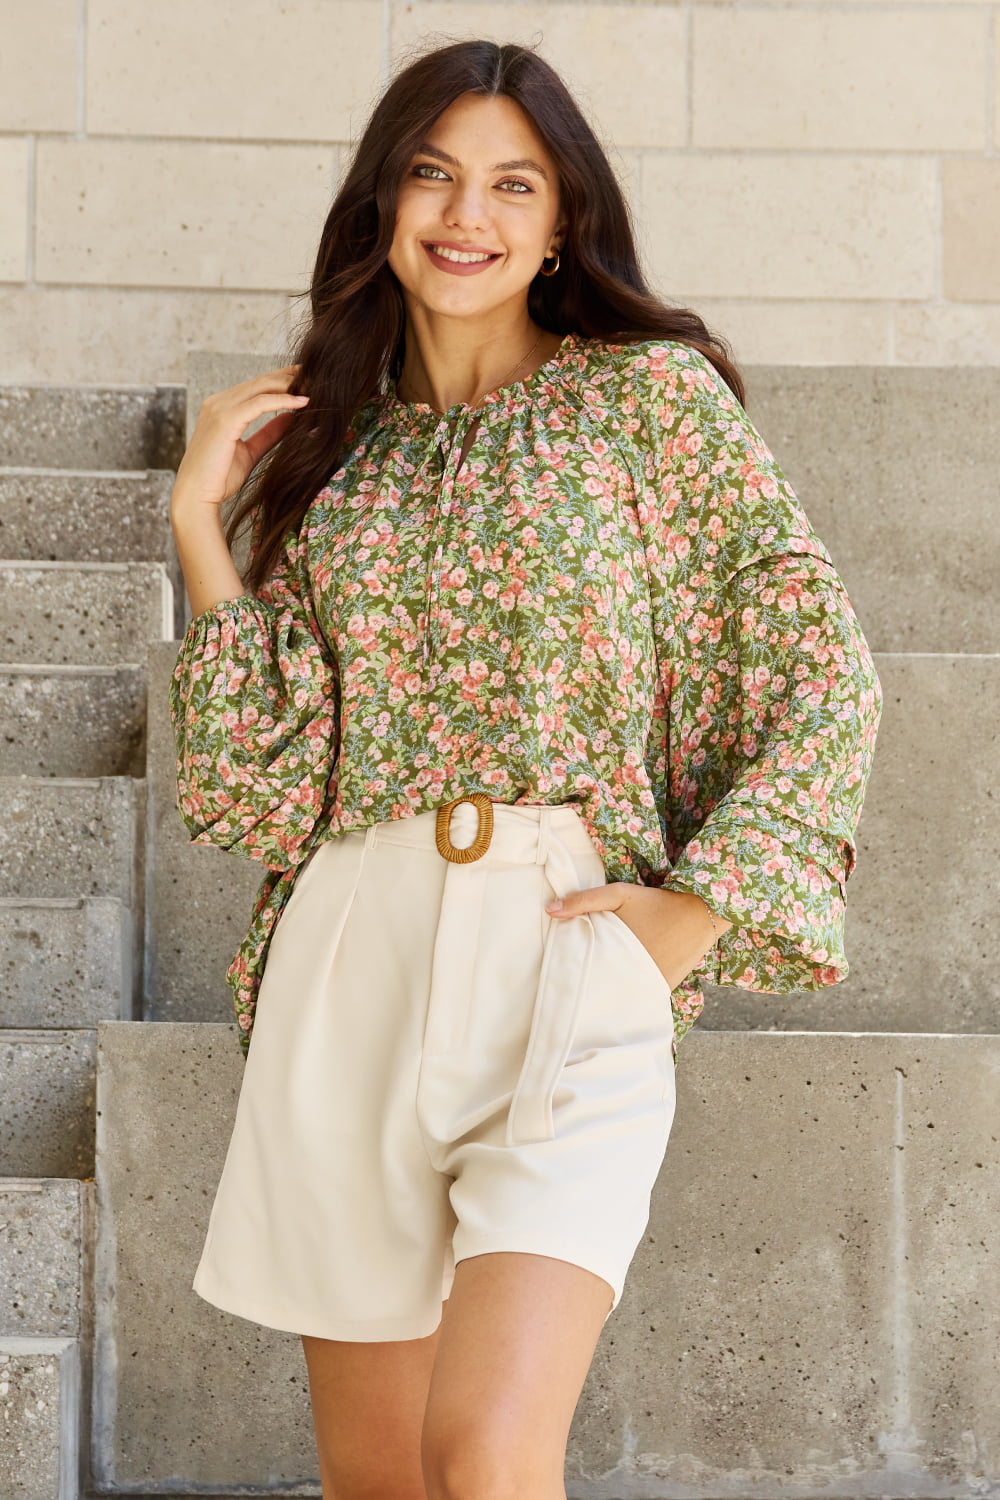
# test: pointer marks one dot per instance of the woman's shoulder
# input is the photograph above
(654, 358)
(643, 373)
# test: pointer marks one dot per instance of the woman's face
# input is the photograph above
(483, 183)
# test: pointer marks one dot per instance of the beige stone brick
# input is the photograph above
(971, 230)
(624, 64)
(172, 213)
(38, 84)
(798, 332)
(14, 219)
(92, 335)
(947, 333)
(302, 70)
(815, 78)
(725, 224)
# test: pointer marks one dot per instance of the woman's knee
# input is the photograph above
(475, 1463)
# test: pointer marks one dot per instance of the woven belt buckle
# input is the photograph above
(484, 833)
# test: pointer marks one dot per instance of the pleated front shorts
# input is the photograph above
(439, 1069)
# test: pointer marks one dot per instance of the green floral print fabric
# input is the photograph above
(616, 600)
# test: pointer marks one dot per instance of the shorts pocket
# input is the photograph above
(639, 949)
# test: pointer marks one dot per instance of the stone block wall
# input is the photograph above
(821, 181)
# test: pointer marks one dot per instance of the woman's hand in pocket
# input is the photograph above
(673, 926)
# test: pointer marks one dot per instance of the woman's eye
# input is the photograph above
(515, 182)
(425, 166)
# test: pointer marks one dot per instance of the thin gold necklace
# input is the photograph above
(503, 382)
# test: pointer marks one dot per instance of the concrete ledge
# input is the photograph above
(92, 426)
(84, 614)
(41, 1257)
(73, 721)
(40, 1405)
(93, 836)
(47, 1108)
(65, 962)
(812, 1313)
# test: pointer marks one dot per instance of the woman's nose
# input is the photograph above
(468, 204)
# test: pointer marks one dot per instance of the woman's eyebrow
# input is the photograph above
(524, 164)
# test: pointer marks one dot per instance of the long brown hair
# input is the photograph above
(353, 344)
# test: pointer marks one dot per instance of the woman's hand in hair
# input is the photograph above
(219, 460)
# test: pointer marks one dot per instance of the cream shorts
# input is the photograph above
(439, 1069)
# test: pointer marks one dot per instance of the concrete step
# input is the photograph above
(65, 515)
(200, 898)
(43, 1253)
(60, 515)
(722, 1373)
(41, 1384)
(47, 1102)
(83, 614)
(92, 427)
(67, 839)
(73, 721)
(46, 1319)
(65, 962)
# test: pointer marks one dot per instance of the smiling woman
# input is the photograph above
(518, 555)
(466, 217)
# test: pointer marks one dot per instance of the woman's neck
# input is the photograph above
(447, 363)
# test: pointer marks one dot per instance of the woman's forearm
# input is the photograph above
(210, 575)
(688, 933)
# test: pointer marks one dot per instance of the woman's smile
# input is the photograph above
(458, 262)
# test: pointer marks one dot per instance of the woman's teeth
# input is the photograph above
(462, 257)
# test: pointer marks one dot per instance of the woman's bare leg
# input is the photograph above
(368, 1405)
(516, 1341)
(482, 1406)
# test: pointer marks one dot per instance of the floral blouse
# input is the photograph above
(615, 600)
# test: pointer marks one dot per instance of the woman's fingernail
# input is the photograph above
(553, 905)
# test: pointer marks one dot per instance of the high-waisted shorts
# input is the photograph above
(439, 1069)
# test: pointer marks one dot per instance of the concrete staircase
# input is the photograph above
(88, 580)
(813, 1311)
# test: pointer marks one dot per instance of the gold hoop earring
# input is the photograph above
(554, 268)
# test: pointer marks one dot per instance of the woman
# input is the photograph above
(516, 540)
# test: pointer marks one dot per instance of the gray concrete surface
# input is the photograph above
(73, 721)
(39, 1405)
(59, 515)
(47, 1102)
(92, 427)
(812, 1312)
(910, 520)
(87, 614)
(62, 837)
(173, 1373)
(87, 830)
(64, 962)
(41, 1257)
